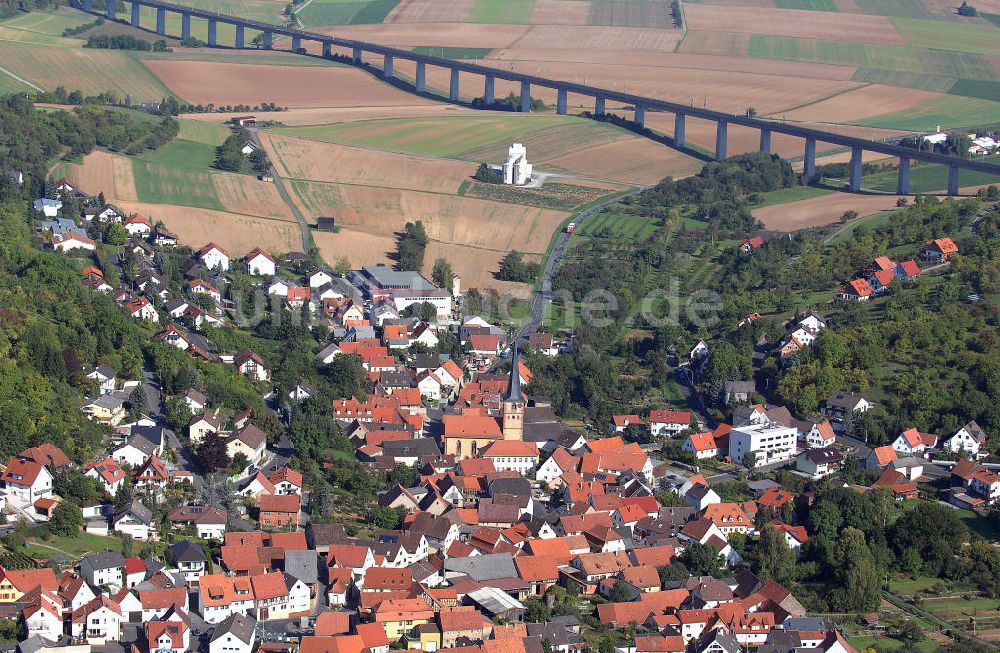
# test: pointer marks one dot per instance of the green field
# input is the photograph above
(10, 85)
(74, 547)
(266, 11)
(937, 83)
(631, 13)
(947, 112)
(42, 26)
(327, 12)
(91, 71)
(812, 5)
(618, 226)
(515, 12)
(944, 35)
(453, 136)
(453, 53)
(976, 88)
(924, 179)
(182, 153)
(203, 132)
(866, 55)
(871, 221)
(156, 183)
(793, 194)
(926, 645)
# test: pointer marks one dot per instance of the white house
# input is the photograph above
(214, 257)
(135, 520)
(701, 445)
(821, 435)
(26, 482)
(48, 208)
(220, 596)
(106, 378)
(141, 308)
(138, 225)
(913, 442)
(668, 423)
(43, 616)
(512, 455)
(968, 440)
(319, 278)
(429, 385)
(235, 634)
(108, 473)
(98, 622)
(72, 240)
(770, 444)
(259, 263)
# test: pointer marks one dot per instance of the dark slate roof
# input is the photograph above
(408, 448)
(237, 624)
(303, 565)
(516, 486)
(484, 567)
(514, 382)
(186, 551)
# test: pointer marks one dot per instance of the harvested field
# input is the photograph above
(360, 247)
(475, 266)
(561, 12)
(91, 71)
(446, 34)
(224, 84)
(822, 210)
(237, 233)
(451, 219)
(716, 43)
(600, 38)
(329, 115)
(250, 196)
(794, 23)
(299, 158)
(861, 103)
(619, 13)
(430, 11)
(101, 172)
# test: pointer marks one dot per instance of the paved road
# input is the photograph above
(286, 197)
(692, 397)
(154, 410)
(544, 293)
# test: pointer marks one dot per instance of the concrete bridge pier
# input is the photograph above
(599, 103)
(903, 180)
(241, 37)
(327, 50)
(356, 56)
(136, 19)
(112, 9)
(561, 101)
(679, 124)
(489, 91)
(640, 116)
(453, 86)
(765, 141)
(267, 39)
(387, 67)
(525, 97)
(161, 20)
(421, 84)
(296, 43)
(185, 26)
(213, 28)
(809, 159)
(721, 140)
(855, 181)
(953, 180)
(88, 5)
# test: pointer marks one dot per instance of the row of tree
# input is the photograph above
(125, 42)
(411, 243)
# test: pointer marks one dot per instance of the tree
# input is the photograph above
(485, 173)
(673, 572)
(750, 459)
(620, 593)
(116, 234)
(66, 519)
(212, 454)
(514, 268)
(932, 535)
(388, 518)
(442, 274)
(772, 558)
(128, 545)
(342, 265)
(410, 246)
(137, 402)
(856, 573)
(702, 559)
(967, 10)
(536, 611)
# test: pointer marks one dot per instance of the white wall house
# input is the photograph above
(771, 444)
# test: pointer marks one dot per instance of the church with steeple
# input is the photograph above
(472, 429)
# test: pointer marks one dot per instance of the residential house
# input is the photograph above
(214, 257)
(48, 207)
(249, 441)
(134, 519)
(879, 458)
(767, 444)
(286, 481)
(701, 445)
(138, 225)
(42, 615)
(72, 240)
(969, 441)
(189, 559)
(543, 343)
(819, 462)
(98, 622)
(106, 378)
(207, 523)
(140, 308)
(939, 250)
(839, 406)
(237, 633)
(668, 423)
(277, 511)
(259, 263)
(821, 435)
(912, 442)
(220, 596)
(26, 481)
(249, 363)
(108, 473)
(104, 569)
(857, 290)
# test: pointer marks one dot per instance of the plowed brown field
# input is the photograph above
(793, 22)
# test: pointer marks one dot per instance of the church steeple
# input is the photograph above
(513, 401)
(514, 384)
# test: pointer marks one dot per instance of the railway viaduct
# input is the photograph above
(359, 50)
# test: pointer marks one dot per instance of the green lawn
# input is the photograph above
(76, 547)
(942, 606)
(165, 184)
(453, 53)
(203, 132)
(874, 220)
(182, 153)
(516, 12)
(908, 587)
(926, 645)
(47, 23)
(871, 55)
(619, 226)
(946, 35)
(946, 112)
(793, 194)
